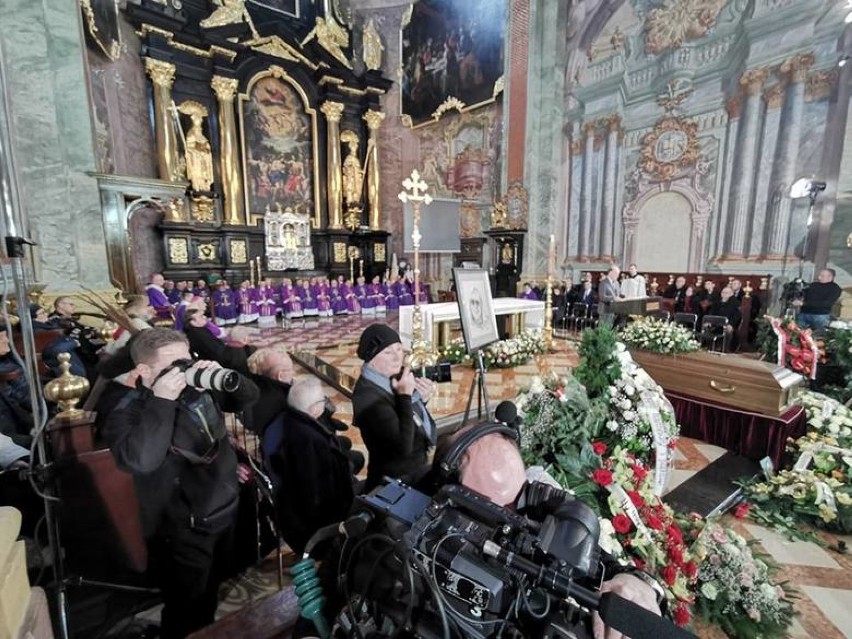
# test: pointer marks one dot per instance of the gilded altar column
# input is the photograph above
(613, 127)
(795, 71)
(584, 246)
(743, 185)
(229, 162)
(333, 112)
(162, 75)
(374, 121)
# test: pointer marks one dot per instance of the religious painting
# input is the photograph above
(279, 152)
(473, 290)
(452, 57)
(287, 7)
(101, 19)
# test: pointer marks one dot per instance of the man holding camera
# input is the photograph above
(164, 425)
(819, 298)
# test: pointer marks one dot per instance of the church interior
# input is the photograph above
(629, 221)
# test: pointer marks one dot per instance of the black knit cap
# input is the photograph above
(375, 339)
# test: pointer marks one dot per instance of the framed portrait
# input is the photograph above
(452, 57)
(473, 291)
(280, 161)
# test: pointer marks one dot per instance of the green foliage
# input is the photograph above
(598, 368)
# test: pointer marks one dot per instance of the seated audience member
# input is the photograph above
(728, 307)
(632, 284)
(689, 303)
(172, 438)
(586, 295)
(389, 406)
(16, 417)
(62, 344)
(88, 340)
(677, 292)
(528, 293)
(820, 297)
(706, 298)
(303, 452)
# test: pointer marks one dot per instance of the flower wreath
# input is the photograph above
(796, 345)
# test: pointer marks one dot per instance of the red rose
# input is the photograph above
(622, 524)
(639, 472)
(640, 564)
(654, 522)
(602, 477)
(681, 615)
(599, 448)
(741, 511)
(690, 569)
(636, 498)
(669, 574)
(676, 555)
(674, 535)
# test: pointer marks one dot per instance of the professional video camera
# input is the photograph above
(460, 566)
(793, 290)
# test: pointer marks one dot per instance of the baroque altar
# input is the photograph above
(288, 240)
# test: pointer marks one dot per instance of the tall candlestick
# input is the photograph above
(259, 261)
(548, 300)
(361, 268)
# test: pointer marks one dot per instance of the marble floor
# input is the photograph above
(822, 576)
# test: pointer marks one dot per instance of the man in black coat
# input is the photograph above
(311, 470)
(729, 307)
(819, 299)
(389, 406)
(171, 437)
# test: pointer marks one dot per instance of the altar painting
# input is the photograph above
(452, 56)
(278, 147)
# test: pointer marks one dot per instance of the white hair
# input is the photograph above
(304, 393)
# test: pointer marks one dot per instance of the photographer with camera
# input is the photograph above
(164, 424)
(389, 406)
(818, 299)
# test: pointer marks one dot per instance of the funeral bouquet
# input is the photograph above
(641, 419)
(657, 336)
(455, 352)
(791, 346)
(515, 351)
(827, 416)
(736, 589)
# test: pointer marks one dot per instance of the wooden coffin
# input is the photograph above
(724, 378)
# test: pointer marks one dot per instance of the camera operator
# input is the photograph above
(389, 406)
(171, 437)
(819, 298)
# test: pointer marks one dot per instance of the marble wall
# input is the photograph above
(43, 55)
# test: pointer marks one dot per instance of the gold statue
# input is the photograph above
(499, 215)
(197, 150)
(353, 173)
(229, 12)
(331, 37)
(373, 47)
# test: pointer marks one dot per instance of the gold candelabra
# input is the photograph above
(414, 191)
(548, 298)
(354, 253)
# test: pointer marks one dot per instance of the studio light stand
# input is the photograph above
(809, 188)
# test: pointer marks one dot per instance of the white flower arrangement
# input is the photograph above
(658, 336)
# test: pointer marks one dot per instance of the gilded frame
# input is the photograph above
(447, 101)
(101, 16)
(274, 71)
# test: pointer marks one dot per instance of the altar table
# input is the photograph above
(437, 317)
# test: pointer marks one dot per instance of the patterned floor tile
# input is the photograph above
(784, 551)
(835, 604)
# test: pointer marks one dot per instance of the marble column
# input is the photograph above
(743, 185)
(333, 112)
(613, 128)
(774, 99)
(162, 75)
(585, 232)
(229, 155)
(795, 71)
(374, 121)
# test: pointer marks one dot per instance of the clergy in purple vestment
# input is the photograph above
(309, 304)
(320, 287)
(528, 293)
(338, 304)
(246, 298)
(223, 304)
(157, 297)
(402, 292)
(368, 304)
(290, 302)
(348, 295)
(172, 292)
(375, 291)
(391, 300)
(266, 305)
(201, 289)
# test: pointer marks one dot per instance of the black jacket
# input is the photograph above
(315, 486)
(729, 309)
(820, 298)
(178, 452)
(397, 446)
(206, 346)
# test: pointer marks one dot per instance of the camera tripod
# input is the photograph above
(478, 384)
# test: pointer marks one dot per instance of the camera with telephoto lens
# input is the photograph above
(439, 373)
(218, 379)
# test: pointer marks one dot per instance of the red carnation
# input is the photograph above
(599, 448)
(690, 569)
(655, 522)
(741, 511)
(639, 472)
(676, 555)
(669, 574)
(636, 498)
(639, 563)
(681, 615)
(622, 524)
(674, 535)
(602, 477)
